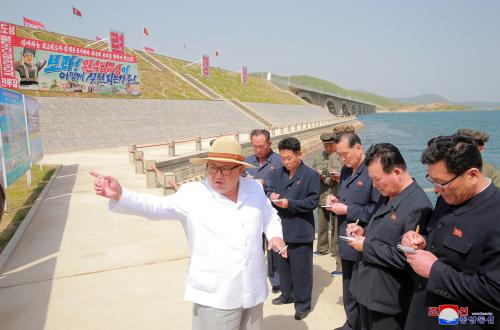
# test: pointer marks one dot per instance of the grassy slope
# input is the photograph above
(163, 84)
(228, 84)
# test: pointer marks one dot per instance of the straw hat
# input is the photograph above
(224, 149)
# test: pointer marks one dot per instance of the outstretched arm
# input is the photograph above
(146, 205)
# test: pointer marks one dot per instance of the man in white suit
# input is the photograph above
(224, 218)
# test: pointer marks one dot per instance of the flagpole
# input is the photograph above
(73, 16)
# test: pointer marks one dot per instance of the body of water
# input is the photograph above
(411, 131)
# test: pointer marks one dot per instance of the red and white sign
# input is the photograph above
(116, 42)
(244, 74)
(76, 12)
(72, 50)
(7, 71)
(31, 23)
(205, 66)
(149, 50)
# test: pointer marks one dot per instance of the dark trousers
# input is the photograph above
(373, 320)
(273, 260)
(296, 275)
(350, 303)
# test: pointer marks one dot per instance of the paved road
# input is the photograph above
(78, 266)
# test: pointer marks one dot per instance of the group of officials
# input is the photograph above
(404, 265)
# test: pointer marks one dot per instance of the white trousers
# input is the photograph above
(209, 318)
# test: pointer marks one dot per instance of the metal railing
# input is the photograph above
(155, 178)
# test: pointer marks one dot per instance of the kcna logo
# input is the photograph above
(450, 314)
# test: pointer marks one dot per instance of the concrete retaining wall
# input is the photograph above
(283, 114)
(71, 124)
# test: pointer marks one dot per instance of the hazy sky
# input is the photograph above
(392, 48)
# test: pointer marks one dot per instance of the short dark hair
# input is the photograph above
(389, 156)
(480, 137)
(459, 152)
(352, 138)
(289, 143)
(260, 131)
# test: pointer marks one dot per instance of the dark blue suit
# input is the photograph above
(357, 192)
(297, 221)
(381, 279)
(264, 172)
(466, 240)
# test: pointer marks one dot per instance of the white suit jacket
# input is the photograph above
(226, 268)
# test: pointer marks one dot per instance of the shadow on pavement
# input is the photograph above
(322, 280)
(283, 322)
(26, 281)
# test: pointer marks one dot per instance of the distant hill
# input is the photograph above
(329, 87)
(422, 99)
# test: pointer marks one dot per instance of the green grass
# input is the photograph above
(20, 198)
(228, 84)
(328, 86)
(165, 85)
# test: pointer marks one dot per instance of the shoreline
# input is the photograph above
(434, 110)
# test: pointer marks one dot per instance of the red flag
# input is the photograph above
(98, 38)
(244, 74)
(117, 42)
(33, 24)
(205, 66)
(77, 12)
(146, 32)
(149, 50)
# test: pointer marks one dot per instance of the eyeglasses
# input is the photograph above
(441, 185)
(225, 170)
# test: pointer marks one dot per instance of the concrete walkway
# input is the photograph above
(78, 266)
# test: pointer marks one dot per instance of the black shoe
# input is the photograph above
(300, 315)
(276, 289)
(280, 301)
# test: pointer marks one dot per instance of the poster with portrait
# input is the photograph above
(48, 66)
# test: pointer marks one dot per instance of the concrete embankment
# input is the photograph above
(72, 124)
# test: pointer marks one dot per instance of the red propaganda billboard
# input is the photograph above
(48, 66)
(244, 74)
(116, 42)
(7, 72)
(205, 66)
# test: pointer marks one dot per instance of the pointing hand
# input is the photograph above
(107, 186)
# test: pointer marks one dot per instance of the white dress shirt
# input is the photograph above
(226, 268)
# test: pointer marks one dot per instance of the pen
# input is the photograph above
(283, 250)
(417, 230)
(356, 223)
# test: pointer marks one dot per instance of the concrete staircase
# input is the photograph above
(251, 112)
(206, 90)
